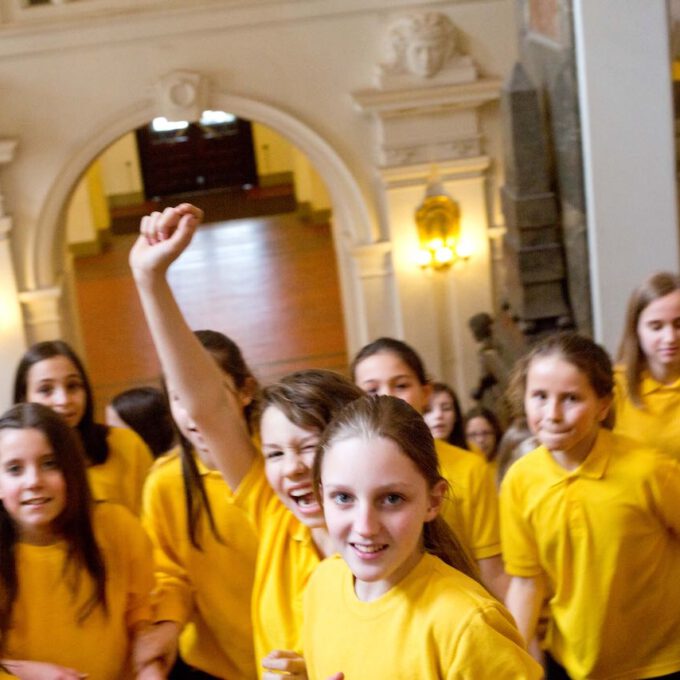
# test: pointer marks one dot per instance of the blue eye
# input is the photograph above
(341, 498)
(393, 499)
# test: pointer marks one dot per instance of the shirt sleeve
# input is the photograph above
(520, 551)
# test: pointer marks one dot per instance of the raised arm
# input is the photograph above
(193, 375)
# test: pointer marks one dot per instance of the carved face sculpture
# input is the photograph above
(425, 56)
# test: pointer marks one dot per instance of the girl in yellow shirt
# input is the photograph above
(204, 544)
(50, 373)
(648, 381)
(590, 521)
(402, 602)
(444, 416)
(75, 577)
(275, 488)
(388, 366)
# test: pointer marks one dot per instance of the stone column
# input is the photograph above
(623, 60)
(12, 338)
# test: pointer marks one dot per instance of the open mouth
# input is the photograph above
(36, 501)
(369, 550)
(304, 499)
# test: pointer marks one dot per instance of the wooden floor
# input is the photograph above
(269, 283)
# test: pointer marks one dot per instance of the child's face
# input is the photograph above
(375, 503)
(289, 451)
(57, 383)
(385, 373)
(562, 408)
(659, 333)
(441, 415)
(480, 434)
(32, 486)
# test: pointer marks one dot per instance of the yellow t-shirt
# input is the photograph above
(472, 509)
(286, 558)
(207, 590)
(657, 424)
(121, 477)
(45, 615)
(434, 624)
(605, 537)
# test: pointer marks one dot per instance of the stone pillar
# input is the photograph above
(12, 338)
(623, 62)
(425, 105)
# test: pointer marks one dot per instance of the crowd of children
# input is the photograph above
(325, 527)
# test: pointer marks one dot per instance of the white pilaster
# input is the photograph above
(12, 339)
(623, 62)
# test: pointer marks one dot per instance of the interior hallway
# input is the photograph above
(270, 283)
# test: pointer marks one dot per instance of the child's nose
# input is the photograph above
(366, 522)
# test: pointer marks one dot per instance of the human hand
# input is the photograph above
(39, 670)
(163, 238)
(154, 671)
(284, 662)
(155, 644)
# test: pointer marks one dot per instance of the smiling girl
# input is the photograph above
(648, 380)
(50, 373)
(591, 521)
(75, 577)
(402, 601)
(274, 489)
(388, 366)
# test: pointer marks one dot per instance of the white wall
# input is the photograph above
(83, 77)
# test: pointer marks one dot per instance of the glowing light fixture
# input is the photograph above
(438, 222)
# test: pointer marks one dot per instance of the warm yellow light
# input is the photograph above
(424, 258)
(464, 248)
(443, 256)
(435, 244)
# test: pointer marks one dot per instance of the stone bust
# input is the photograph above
(421, 43)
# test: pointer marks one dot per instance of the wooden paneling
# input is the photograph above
(269, 283)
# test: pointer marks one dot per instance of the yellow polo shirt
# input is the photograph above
(435, 624)
(605, 537)
(657, 424)
(208, 591)
(121, 477)
(472, 507)
(286, 558)
(45, 615)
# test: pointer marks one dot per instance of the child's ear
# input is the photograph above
(605, 408)
(437, 495)
(248, 391)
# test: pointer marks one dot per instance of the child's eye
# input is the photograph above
(393, 499)
(44, 389)
(341, 498)
(573, 398)
(74, 386)
(403, 386)
(50, 464)
(270, 455)
(539, 394)
(372, 391)
(13, 469)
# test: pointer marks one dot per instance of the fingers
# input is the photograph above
(160, 226)
(286, 662)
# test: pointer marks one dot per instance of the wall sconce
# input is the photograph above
(438, 222)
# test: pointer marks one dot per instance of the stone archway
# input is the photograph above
(352, 227)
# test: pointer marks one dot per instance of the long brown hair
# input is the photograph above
(630, 354)
(93, 434)
(74, 524)
(392, 418)
(228, 357)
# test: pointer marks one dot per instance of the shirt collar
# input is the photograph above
(593, 467)
(649, 385)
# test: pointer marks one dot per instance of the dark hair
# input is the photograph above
(490, 417)
(516, 442)
(630, 354)
(93, 434)
(145, 410)
(586, 355)
(229, 358)
(457, 436)
(310, 398)
(74, 523)
(392, 418)
(392, 346)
